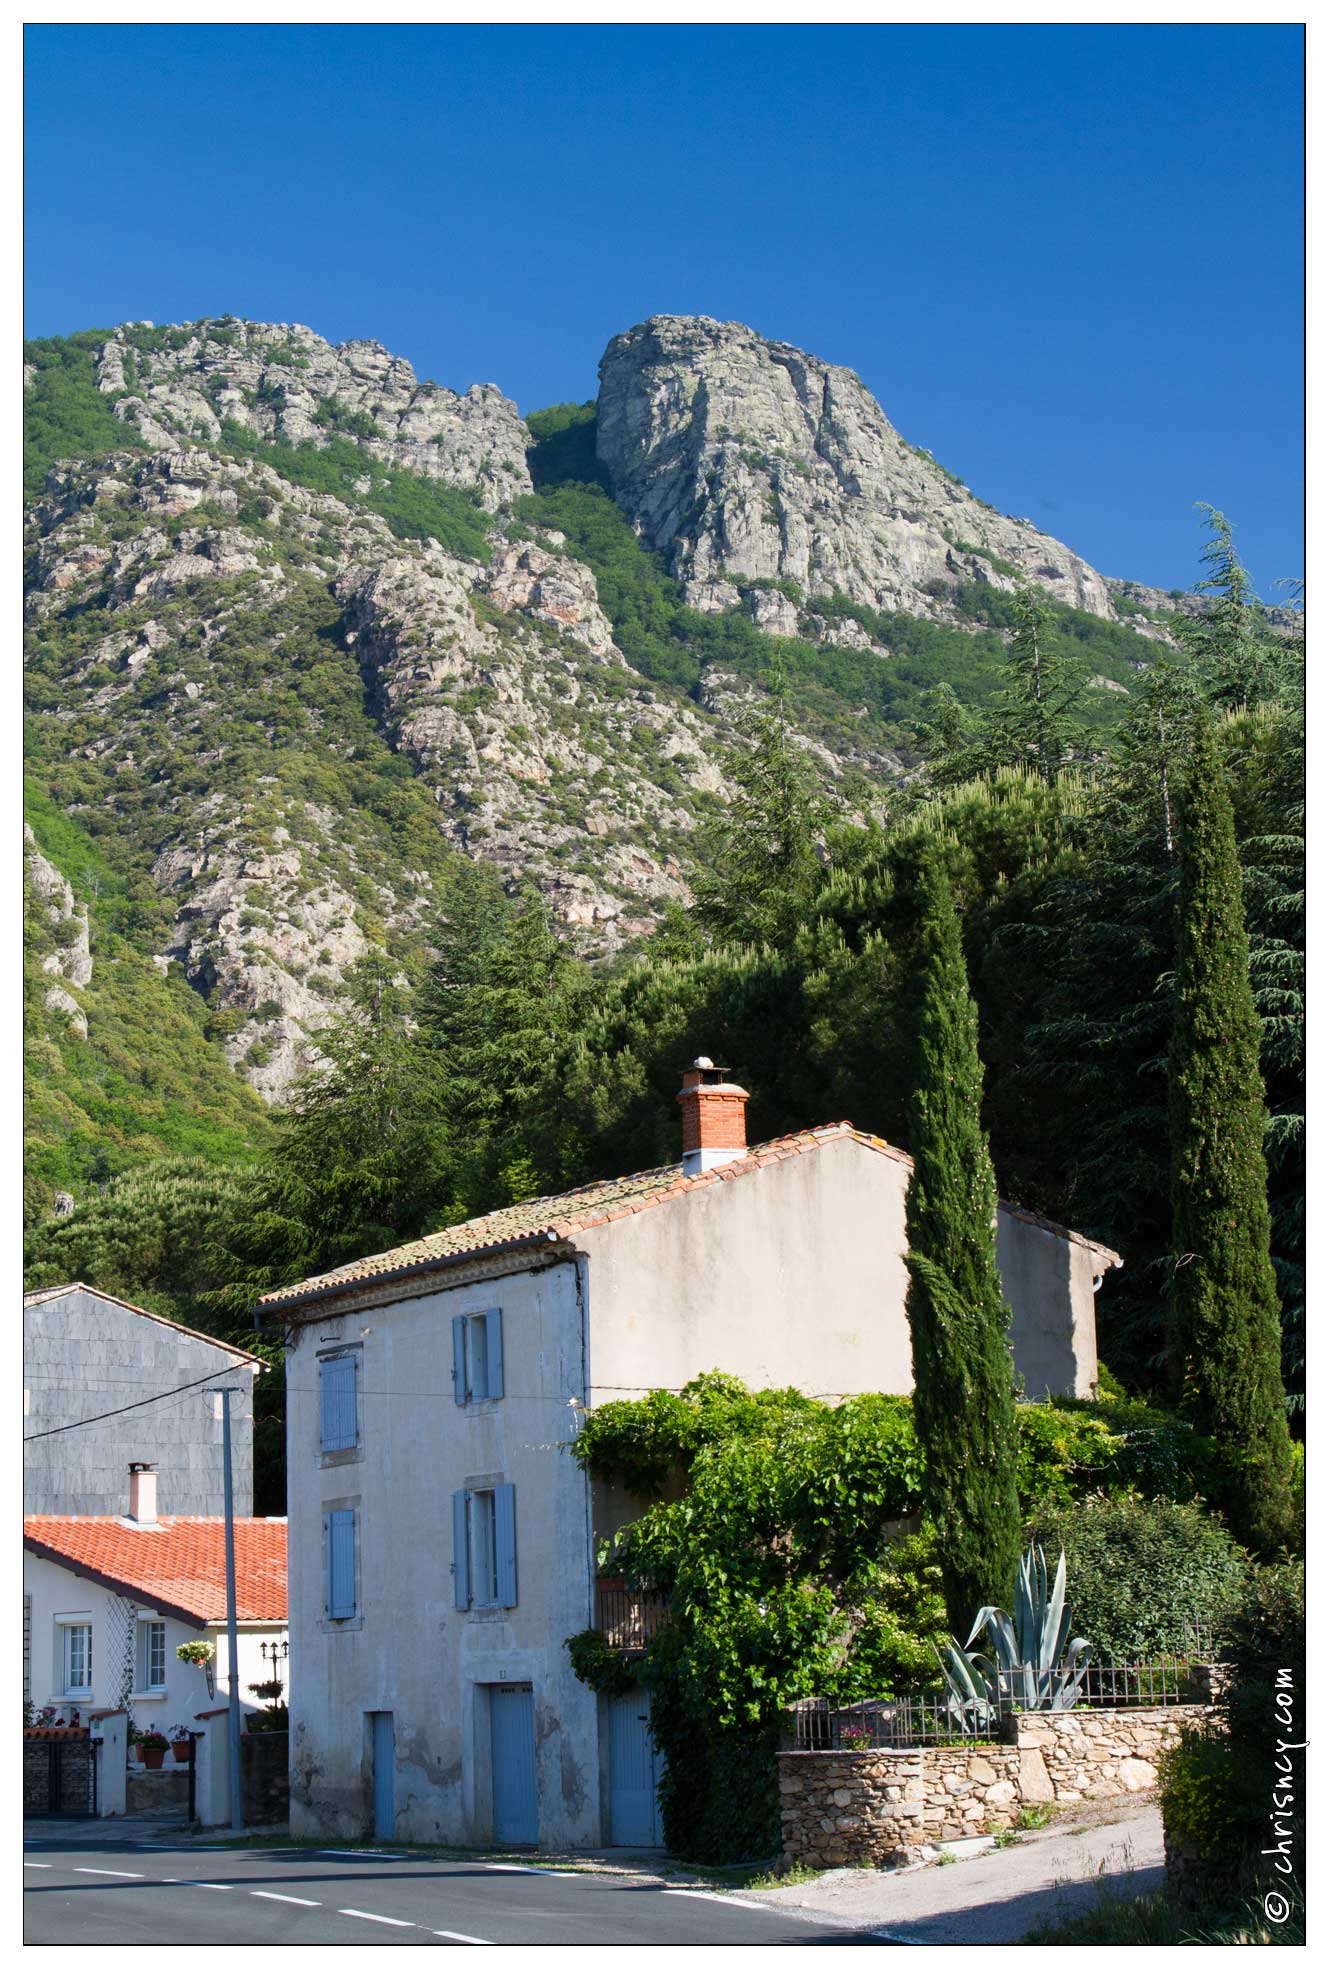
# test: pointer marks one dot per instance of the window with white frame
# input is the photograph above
(477, 1357)
(152, 1657)
(76, 1649)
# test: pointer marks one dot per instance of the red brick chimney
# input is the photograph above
(714, 1126)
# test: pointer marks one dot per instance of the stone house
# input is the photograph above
(443, 1540)
(107, 1601)
(88, 1354)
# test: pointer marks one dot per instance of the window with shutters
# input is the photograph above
(477, 1357)
(339, 1404)
(484, 1547)
(339, 1561)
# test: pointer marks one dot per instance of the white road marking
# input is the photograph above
(361, 1853)
(451, 1935)
(549, 1872)
(213, 1886)
(260, 1895)
(45, 1865)
(388, 1920)
(728, 1900)
(110, 1872)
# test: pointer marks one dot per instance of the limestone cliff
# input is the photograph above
(737, 456)
(281, 382)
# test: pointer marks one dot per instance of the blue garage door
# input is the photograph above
(634, 1774)
(512, 1739)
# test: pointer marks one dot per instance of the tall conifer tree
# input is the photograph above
(964, 1398)
(1225, 1327)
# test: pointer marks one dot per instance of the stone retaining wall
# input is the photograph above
(856, 1807)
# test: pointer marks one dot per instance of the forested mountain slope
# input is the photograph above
(311, 641)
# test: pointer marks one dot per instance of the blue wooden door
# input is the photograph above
(512, 1741)
(634, 1773)
(385, 1757)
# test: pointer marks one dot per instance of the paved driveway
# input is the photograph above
(999, 1894)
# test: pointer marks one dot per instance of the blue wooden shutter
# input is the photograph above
(494, 1350)
(339, 1417)
(461, 1564)
(459, 1357)
(505, 1543)
(341, 1565)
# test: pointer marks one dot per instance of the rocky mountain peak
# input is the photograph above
(283, 383)
(739, 457)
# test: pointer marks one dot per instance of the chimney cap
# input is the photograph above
(134, 1468)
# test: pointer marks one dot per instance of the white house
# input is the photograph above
(442, 1539)
(108, 1600)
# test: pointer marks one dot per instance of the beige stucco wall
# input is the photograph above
(410, 1650)
(788, 1275)
(794, 1274)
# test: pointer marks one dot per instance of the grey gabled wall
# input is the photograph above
(84, 1354)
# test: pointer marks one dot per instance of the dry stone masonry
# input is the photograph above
(877, 1807)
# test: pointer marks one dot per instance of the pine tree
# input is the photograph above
(1225, 1327)
(1234, 662)
(1032, 719)
(761, 868)
(964, 1402)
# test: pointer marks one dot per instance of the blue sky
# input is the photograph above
(1069, 260)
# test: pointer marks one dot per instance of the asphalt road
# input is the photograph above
(81, 1891)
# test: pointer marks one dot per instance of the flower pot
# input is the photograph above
(151, 1756)
(180, 1749)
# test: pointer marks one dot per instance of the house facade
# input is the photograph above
(108, 1600)
(87, 1354)
(442, 1538)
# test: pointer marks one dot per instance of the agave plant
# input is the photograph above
(1032, 1663)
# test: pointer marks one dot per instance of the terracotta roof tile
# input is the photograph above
(552, 1219)
(180, 1565)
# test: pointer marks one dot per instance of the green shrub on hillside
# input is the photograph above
(64, 413)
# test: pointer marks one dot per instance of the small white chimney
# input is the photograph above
(143, 1493)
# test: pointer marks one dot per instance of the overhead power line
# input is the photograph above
(105, 1416)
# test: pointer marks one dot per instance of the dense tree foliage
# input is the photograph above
(964, 1403)
(1224, 1299)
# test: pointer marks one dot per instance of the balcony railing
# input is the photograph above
(629, 1621)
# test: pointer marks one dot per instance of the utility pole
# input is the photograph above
(232, 1641)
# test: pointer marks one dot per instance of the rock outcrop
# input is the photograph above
(283, 382)
(742, 459)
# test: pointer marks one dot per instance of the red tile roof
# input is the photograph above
(178, 1566)
(550, 1220)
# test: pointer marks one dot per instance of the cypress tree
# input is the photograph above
(1225, 1325)
(964, 1398)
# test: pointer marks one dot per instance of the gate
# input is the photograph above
(512, 1748)
(634, 1773)
(60, 1778)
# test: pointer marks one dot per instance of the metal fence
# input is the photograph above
(906, 1724)
(936, 1717)
(629, 1621)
